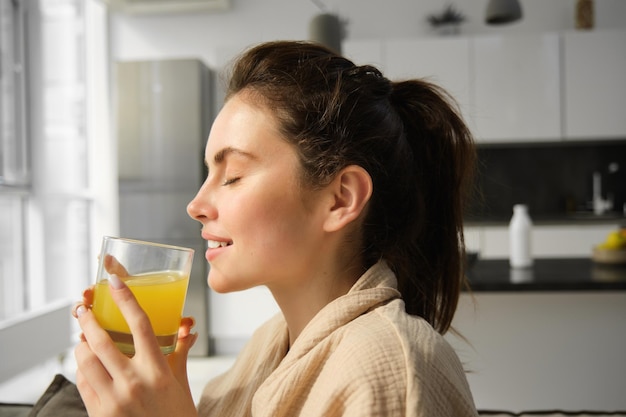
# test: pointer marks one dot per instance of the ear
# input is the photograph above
(351, 190)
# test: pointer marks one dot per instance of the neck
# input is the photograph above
(304, 298)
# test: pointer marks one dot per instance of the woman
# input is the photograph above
(343, 193)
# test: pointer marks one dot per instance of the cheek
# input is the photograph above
(272, 222)
(247, 214)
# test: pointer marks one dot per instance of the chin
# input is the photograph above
(218, 286)
(222, 284)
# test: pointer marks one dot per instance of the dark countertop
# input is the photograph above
(573, 219)
(576, 274)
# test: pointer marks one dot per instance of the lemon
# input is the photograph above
(614, 240)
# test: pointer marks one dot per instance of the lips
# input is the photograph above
(215, 245)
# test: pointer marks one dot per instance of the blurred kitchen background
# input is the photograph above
(105, 110)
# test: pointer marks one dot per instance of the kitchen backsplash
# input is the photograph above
(553, 179)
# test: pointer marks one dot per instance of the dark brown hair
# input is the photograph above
(409, 137)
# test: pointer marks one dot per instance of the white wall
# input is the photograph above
(547, 240)
(530, 350)
(203, 35)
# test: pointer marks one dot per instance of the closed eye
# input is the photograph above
(230, 181)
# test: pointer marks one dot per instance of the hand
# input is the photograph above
(149, 383)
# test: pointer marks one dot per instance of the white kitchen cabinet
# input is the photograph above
(443, 61)
(543, 350)
(594, 68)
(516, 88)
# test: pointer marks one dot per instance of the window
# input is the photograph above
(13, 143)
(60, 201)
(58, 185)
(14, 166)
(51, 150)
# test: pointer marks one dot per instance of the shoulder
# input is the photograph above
(392, 351)
(389, 328)
(421, 346)
(386, 344)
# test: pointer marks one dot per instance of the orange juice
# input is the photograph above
(160, 294)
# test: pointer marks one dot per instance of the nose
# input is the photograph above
(201, 208)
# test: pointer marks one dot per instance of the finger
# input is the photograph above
(90, 367)
(99, 352)
(76, 307)
(186, 324)
(88, 296)
(143, 336)
(87, 393)
(92, 371)
(113, 266)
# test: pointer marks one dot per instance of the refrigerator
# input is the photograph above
(162, 121)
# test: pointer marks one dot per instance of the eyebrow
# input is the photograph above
(220, 156)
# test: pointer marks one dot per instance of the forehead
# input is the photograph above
(244, 124)
(238, 121)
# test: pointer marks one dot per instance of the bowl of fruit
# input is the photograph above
(613, 249)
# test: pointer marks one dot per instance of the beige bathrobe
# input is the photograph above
(361, 355)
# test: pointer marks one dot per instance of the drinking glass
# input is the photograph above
(158, 276)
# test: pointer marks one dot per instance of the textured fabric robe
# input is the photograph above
(361, 355)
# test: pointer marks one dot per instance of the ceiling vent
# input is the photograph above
(166, 6)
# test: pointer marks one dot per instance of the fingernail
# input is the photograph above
(115, 282)
(80, 310)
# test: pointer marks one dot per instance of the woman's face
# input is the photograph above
(262, 228)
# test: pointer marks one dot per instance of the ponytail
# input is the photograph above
(429, 256)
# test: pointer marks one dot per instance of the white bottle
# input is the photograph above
(520, 228)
